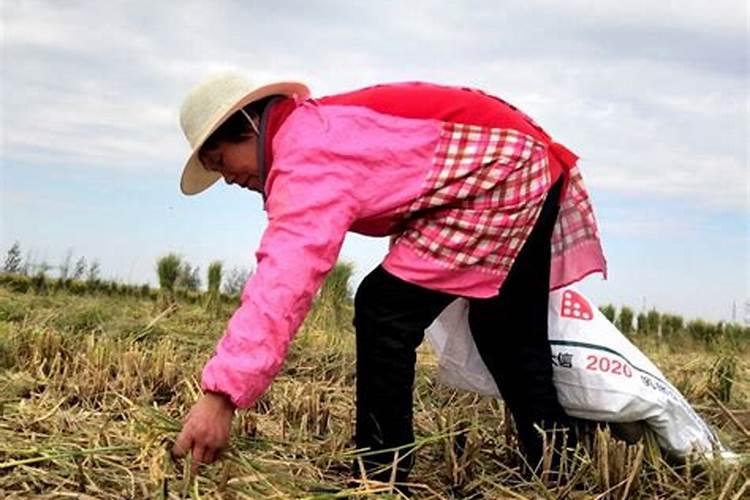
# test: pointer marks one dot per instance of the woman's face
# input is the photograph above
(237, 162)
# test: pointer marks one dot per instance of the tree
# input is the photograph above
(703, 330)
(671, 324)
(653, 321)
(12, 263)
(168, 269)
(66, 264)
(608, 310)
(43, 268)
(79, 269)
(335, 297)
(335, 288)
(214, 283)
(28, 267)
(188, 276)
(92, 276)
(678, 323)
(625, 321)
(235, 281)
(641, 323)
(214, 276)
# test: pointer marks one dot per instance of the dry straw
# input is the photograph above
(93, 389)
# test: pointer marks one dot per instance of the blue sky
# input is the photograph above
(652, 96)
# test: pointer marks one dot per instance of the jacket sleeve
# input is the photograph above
(310, 208)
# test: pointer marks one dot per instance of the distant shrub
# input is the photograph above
(736, 334)
(671, 324)
(703, 331)
(608, 310)
(214, 276)
(235, 281)
(652, 322)
(12, 264)
(77, 287)
(642, 324)
(189, 296)
(66, 267)
(92, 275)
(188, 276)
(79, 270)
(16, 282)
(214, 283)
(93, 286)
(625, 320)
(677, 323)
(336, 285)
(331, 310)
(39, 283)
(168, 269)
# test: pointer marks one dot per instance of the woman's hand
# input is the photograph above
(206, 429)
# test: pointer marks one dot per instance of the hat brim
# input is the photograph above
(195, 177)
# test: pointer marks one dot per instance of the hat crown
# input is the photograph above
(208, 105)
(208, 102)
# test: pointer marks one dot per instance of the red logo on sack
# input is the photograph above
(575, 306)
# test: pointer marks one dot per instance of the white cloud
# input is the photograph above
(652, 95)
(714, 16)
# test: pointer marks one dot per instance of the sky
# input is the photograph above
(653, 96)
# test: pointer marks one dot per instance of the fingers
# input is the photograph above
(210, 456)
(205, 431)
(202, 455)
(182, 444)
(199, 454)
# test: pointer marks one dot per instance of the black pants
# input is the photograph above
(510, 331)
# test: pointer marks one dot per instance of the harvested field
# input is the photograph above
(92, 390)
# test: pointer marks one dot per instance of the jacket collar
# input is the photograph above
(274, 114)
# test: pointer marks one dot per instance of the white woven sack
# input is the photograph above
(599, 374)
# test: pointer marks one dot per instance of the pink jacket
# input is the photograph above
(457, 175)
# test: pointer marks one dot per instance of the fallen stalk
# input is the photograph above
(68, 454)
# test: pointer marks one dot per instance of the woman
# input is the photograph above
(479, 202)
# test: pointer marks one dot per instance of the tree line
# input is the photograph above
(668, 326)
(175, 275)
(180, 280)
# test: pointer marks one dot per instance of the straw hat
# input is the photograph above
(208, 105)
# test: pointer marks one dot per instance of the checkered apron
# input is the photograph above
(482, 198)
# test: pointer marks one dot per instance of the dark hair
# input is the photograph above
(235, 128)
